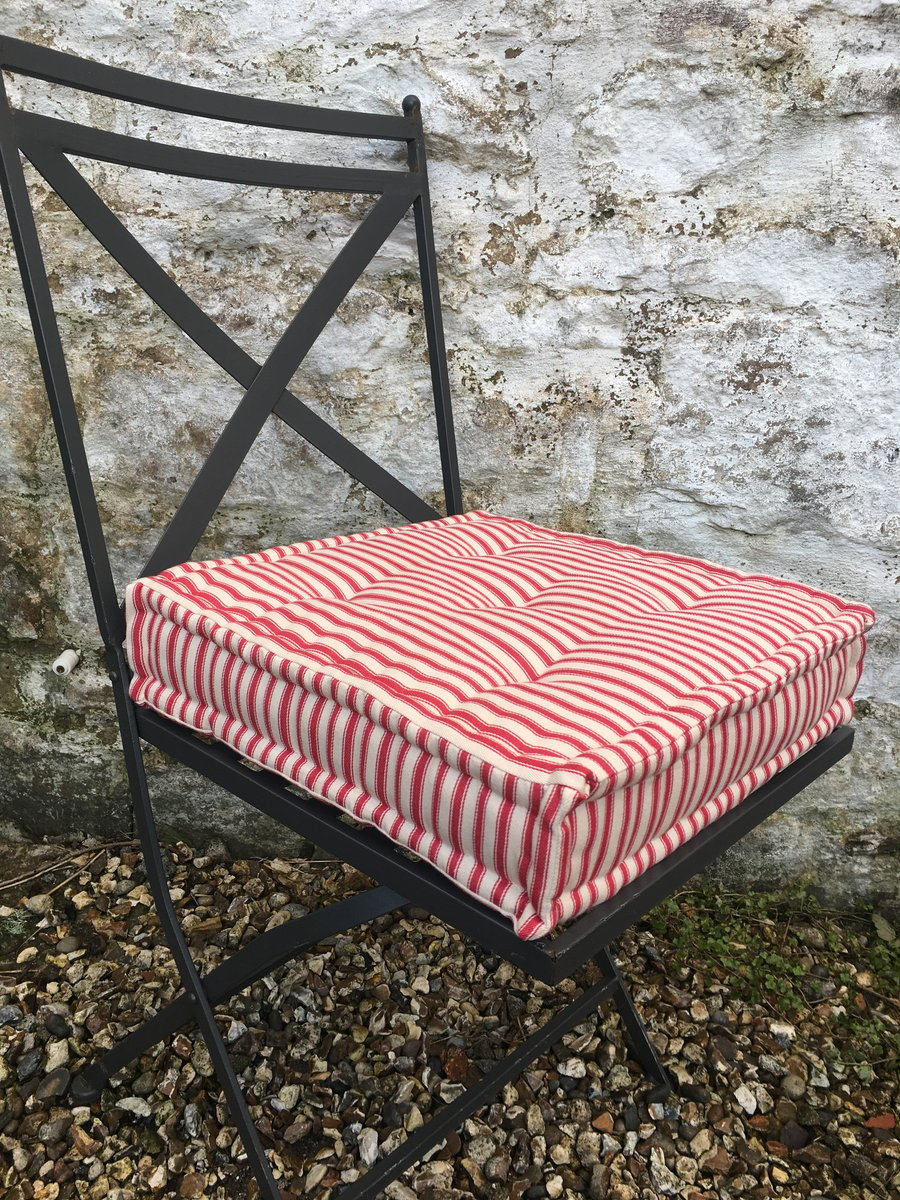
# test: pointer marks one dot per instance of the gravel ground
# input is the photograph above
(342, 1051)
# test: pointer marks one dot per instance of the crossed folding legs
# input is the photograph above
(278, 946)
(46, 142)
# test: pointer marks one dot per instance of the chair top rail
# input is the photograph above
(88, 142)
(54, 66)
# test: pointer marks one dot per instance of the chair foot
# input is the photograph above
(88, 1086)
(642, 1048)
(660, 1091)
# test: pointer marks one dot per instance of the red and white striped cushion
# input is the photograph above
(541, 715)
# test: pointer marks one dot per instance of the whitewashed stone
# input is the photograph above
(671, 288)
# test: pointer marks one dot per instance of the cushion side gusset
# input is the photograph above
(499, 872)
(656, 743)
(565, 907)
(740, 745)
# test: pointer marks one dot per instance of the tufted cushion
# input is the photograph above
(541, 715)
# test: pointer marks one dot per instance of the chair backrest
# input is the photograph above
(46, 142)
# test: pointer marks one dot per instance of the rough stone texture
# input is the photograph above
(668, 237)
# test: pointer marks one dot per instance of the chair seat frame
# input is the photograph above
(401, 879)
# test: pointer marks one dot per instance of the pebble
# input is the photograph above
(135, 1105)
(368, 1146)
(57, 1026)
(54, 1085)
(10, 1014)
(534, 1120)
(289, 1095)
(57, 1055)
(481, 1148)
(771, 1066)
(315, 1176)
(297, 1130)
(190, 1121)
(40, 905)
(54, 1131)
(783, 1032)
(610, 1145)
(145, 1084)
(686, 1168)
(28, 1064)
(663, 1180)
(158, 1178)
(619, 1079)
(746, 1099)
(793, 1087)
(496, 1169)
(812, 936)
(881, 1121)
(793, 1136)
(702, 1143)
(716, 1162)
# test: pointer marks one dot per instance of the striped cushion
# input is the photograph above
(540, 715)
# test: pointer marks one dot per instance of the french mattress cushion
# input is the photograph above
(541, 715)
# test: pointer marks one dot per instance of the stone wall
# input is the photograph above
(668, 237)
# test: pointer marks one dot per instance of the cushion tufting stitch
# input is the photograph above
(541, 715)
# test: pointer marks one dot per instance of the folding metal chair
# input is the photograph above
(46, 142)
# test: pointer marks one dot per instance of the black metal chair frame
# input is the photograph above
(46, 142)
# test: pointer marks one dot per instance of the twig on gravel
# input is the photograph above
(6, 884)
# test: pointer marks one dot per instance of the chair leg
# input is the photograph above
(610, 987)
(193, 985)
(454, 1114)
(644, 1050)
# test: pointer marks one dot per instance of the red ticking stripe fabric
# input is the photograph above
(541, 715)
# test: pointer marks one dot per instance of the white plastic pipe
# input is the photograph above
(66, 663)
